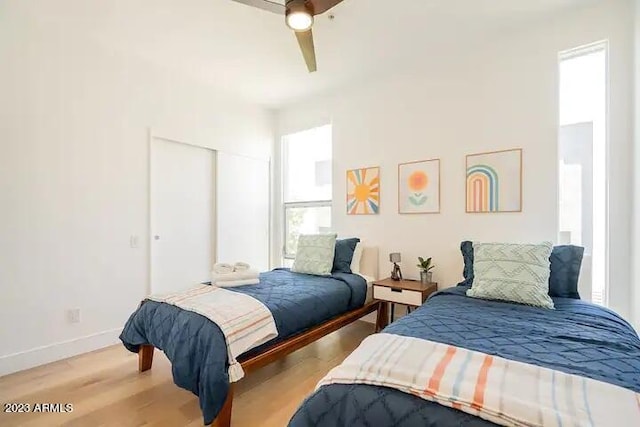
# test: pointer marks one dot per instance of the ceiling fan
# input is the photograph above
(299, 17)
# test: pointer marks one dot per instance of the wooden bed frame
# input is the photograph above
(281, 349)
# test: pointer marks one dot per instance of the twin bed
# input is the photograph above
(575, 340)
(304, 307)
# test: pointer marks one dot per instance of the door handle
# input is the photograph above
(156, 237)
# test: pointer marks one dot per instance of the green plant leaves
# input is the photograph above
(425, 264)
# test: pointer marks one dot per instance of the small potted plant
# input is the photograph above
(425, 267)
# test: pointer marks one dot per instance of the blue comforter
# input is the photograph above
(578, 337)
(196, 346)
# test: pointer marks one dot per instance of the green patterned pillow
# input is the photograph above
(512, 272)
(315, 254)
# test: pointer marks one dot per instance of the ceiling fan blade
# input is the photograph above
(321, 6)
(305, 40)
(265, 5)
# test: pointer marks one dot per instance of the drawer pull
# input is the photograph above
(398, 290)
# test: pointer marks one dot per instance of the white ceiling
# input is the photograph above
(251, 53)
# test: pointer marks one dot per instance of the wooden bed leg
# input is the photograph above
(145, 357)
(224, 417)
(382, 319)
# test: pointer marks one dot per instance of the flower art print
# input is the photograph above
(419, 187)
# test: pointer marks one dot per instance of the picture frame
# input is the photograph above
(493, 181)
(363, 191)
(419, 187)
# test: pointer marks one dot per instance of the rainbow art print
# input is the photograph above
(494, 182)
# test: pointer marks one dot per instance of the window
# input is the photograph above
(307, 188)
(583, 162)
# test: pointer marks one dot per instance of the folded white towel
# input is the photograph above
(234, 283)
(222, 268)
(241, 266)
(236, 275)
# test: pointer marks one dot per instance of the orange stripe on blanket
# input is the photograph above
(481, 384)
(236, 332)
(191, 293)
(434, 381)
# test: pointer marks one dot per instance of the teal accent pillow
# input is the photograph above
(344, 255)
(315, 254)
(512, 272)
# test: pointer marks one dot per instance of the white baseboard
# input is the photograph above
(53, 352)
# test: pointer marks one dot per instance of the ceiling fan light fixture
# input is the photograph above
(298, 17)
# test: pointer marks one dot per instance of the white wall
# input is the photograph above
(243, 210)
(504, 96)
(636, 211)
(74, 120)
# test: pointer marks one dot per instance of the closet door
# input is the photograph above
(243, 186)
(182, 215)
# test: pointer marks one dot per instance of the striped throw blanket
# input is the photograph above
(502, 391)
(245, 322)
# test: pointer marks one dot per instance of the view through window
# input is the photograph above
(583, 162)
(307, 186)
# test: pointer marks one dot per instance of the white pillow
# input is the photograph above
(357, 257)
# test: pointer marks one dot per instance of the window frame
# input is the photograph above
(328, 203)
(299, 205)
(604, 46)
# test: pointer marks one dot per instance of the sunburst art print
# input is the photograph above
(363, 191)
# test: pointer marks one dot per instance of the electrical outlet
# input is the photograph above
(134, 241)
(73, 315)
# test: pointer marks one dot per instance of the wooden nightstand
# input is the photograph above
(411, 293)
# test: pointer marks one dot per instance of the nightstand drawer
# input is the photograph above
(401, 296)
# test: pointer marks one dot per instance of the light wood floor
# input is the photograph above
(106, 389)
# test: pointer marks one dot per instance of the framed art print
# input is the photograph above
(494, 182)
(419, 187)
(363, 191)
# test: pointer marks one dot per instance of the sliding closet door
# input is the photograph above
(243, 186)
(182, 215)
